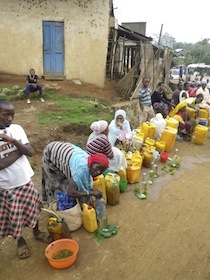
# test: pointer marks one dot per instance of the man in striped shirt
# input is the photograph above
(145, 103)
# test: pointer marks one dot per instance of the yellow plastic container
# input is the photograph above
(160, 146)
(99, 184)
(169, 137)
(199, 134)
(55, 229)
(133, 173)
(203, 114)
(150, 142)
(89, 220)
(122, 173)
(190, 112)
(140, 135)
(112, 188)
(148, 158)
(137, 159)
(172, 123)
(148, 129)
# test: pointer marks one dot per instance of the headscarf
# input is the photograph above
(99, 126)
(203, 82)
(181, 98)
(98, 158)
(80, 170)
(114, 130)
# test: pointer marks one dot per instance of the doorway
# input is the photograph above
(53, 48)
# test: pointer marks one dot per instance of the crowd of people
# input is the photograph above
(186, 95)
(65, 168)
(68, 168)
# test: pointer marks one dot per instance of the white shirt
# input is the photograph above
(20, 172)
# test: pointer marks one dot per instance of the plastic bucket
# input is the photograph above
(163, 157)
(123, 185)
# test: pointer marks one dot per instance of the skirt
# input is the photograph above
(19, 207)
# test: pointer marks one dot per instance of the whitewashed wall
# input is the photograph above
(86, 27)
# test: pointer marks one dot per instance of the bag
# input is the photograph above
(72, 216)
(160, 124)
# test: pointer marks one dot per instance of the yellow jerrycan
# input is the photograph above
(122, 173)
(199, 134)
(57, 228)
(172, 123)
(89, 220)
(137, 158)
(203, 114)
(133, 173)
(148, 158)
(160, 146)
(99, 184)
(148, 129)
(112, 188)
(169, 137)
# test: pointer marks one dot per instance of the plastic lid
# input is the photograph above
(89, 207)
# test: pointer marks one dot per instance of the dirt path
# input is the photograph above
(165, 237)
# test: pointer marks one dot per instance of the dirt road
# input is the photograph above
(165, 237)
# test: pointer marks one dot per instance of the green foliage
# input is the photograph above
(101, 234)
(172, 166)
(196, 53)
(139, 194)
(74, 111)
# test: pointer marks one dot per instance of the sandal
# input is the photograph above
(43, 237)
(23, 251)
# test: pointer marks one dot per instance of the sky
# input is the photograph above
(186, 21)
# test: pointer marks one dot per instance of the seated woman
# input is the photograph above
(186, 125)
(67, 168)
(118, 128)
(184, 94)
(160, 102)
(99, 143)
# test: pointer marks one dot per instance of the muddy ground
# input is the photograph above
(165, 237)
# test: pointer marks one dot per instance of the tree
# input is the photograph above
(166, 40)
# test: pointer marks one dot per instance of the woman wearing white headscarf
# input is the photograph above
(119, 127)
(99, 143)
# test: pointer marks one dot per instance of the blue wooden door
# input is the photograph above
(53, 38)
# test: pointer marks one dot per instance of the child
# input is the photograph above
(20, 202)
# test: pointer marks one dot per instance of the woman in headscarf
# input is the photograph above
(99, 143)
(68, 168)
(119, 127)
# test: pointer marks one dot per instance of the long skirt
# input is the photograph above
(161, 107)
(19, 207)
(53, 180)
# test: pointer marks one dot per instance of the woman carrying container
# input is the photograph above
(186, 125)
(119, 128)
(98, 143)
(68, 168)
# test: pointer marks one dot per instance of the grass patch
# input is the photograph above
(67, 110)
